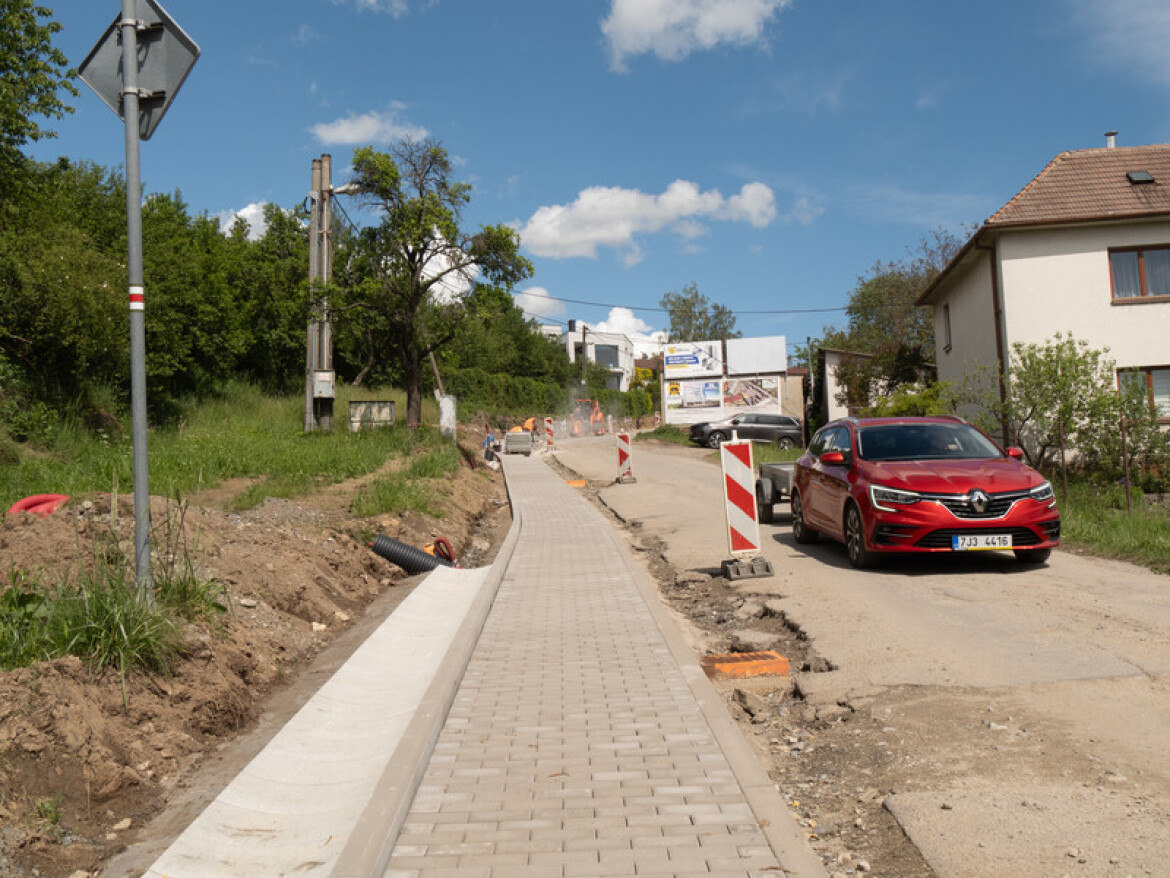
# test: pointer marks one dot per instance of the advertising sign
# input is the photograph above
(689, 402)
(759, 394)
(692, 359)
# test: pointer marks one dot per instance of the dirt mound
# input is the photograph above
(87, 759)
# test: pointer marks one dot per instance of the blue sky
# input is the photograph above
(768, 151)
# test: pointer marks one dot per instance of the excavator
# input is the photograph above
(587, 415)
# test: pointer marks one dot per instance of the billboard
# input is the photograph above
(765, 355)
(694, 400)
(692, 359)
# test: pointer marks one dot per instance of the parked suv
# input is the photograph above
(781, 430)
(937, 484)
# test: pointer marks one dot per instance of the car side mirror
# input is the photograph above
(833, 458)
(1015, 453)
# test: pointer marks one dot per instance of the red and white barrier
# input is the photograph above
(548, 433)
(739, 481)
(625, 466)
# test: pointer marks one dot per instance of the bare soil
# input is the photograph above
(87, 761)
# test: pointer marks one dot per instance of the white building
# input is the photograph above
(1084, 249)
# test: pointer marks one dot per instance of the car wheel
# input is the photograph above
(859, 556)
(785, 442)
(1032, 556)
(716, 439)
(764, 500)
(800, 531)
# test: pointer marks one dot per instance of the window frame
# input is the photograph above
(1147, 373)
(1143, 295)
(946, 321)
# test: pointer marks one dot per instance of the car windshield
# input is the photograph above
(926, 441)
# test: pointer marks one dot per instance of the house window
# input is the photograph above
(1155, 383)
(1140, 274)
(946, 327)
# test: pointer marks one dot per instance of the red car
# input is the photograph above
(937, 484)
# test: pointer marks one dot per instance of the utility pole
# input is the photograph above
(319, 375)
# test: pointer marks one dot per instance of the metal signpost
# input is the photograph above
(136, 68)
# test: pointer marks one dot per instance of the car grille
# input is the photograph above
(941, 539)
(960, 504)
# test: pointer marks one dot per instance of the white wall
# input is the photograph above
(1058, 281)
(972, 313)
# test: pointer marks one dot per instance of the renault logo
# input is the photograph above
(978, 501)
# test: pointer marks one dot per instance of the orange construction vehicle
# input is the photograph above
(588, 412)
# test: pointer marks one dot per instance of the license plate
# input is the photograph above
(971, 542)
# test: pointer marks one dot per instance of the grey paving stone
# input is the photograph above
(575, 746)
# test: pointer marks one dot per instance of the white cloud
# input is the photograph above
(535, 303)
(614, 217)
(930, 96)
(673, 29)
(451, 284)
(624, 320)
(804, 212)
(372, 127)
(396, 8)
(306, 34)
(1130, 34)
(253, 215)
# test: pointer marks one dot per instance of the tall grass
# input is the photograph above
(409, 490)
(240, 434)
(96, 613)
(1095, 518)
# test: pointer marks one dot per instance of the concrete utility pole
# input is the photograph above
(319, 375)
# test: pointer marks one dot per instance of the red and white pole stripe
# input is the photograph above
(548, 433)
(625, 466)
(137, 298)
(743, 529)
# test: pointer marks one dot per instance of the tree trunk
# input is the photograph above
(368, 367)
(413, 389)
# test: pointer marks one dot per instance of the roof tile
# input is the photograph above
(1091, 184)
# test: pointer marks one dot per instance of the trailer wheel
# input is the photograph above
(764, 500)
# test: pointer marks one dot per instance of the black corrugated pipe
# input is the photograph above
(409, 558)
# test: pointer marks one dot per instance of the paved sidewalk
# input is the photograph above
(584, 739)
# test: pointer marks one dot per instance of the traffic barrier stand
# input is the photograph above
(625, 466)
(548, 434)
(743, 529)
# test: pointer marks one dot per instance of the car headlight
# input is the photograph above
(886, 498)
(1042, 492)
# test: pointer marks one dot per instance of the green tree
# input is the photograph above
(497, 338)
(693, 318)
(422, 266)
(62, 283)
(270, 279)
(885, 323)
(1062, 391)
(33, 74)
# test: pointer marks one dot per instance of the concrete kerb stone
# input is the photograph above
(782, 832)
(376, 832)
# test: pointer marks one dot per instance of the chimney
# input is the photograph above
(1111, 139)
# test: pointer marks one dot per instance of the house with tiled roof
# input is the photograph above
(1084, 249)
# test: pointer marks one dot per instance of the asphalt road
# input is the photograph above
(1026, 710)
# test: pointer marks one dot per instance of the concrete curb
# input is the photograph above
(372, 840)
(783, 833)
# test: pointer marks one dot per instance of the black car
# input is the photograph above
(781, 430)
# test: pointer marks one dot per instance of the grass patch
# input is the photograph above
(764, 453)
(394, 494)
(240, 434)
(1095, 518)
(665, 433)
